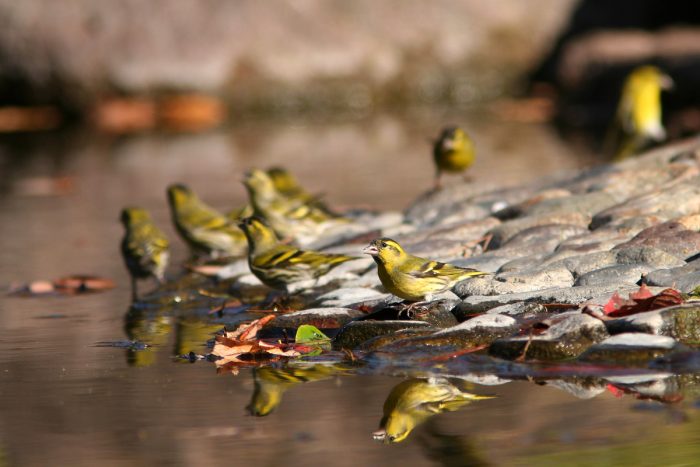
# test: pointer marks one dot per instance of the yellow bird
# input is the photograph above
(290, 218)
(144, 247)
(281, 266)
(203, 228)
(638, 117)
(410, 277)
(453, 152)
(414, 401)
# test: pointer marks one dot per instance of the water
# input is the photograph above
(65, 400)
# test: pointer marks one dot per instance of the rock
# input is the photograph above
(520, 282)
(621, 274)
(354, 334)
(344, 297)
(477, 331)
(320, 317)
(569, 336)
(542, 238)
(387, 339)
(646, 255)
(571, 295)
(487, 262)
(668, 202)
(524, 262)
(681, 322)
(507, 230)
(631, 348)
(519, 309)
(673, 237)
(685, 280)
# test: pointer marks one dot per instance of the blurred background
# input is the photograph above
(104, 103)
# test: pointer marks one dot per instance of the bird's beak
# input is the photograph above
(379, 435)
(666, 82)
(371, 250)
(448, 144)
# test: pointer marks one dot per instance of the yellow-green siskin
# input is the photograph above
(453, 152)
(639, 110)
(410, 277)
(413, 401)
(144, 247)
(203, 228)
(281, 266)
(288, 217)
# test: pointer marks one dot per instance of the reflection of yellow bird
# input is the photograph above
(203, 228)
(638, 119)
(271, 383)
(192, 334)
(281, 266)
(410, 277)
(148, 328)
(453, 152)
(415, 400)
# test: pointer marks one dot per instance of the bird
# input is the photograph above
(144, 247)
(281, 266)
(287, 185)
(290, 218)
(203, 228)
(413, 278)
(453, 152)
(414, 401)
(638, 118)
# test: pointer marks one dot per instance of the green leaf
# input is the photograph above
(308, 334)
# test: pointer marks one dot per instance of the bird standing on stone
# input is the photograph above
(453, 152)
(144, 247)
(638, 118)
(203, 228)
(282, 266)
(410, 277)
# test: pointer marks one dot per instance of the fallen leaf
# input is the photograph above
(641, 301)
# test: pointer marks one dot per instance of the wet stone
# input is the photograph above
(681, 322)
(683, 279)
(631, 348)
(519, 309)
(572, 334)
(400, 335)
(621, 274)
(582, 388)
(354, 334)
(320, 317)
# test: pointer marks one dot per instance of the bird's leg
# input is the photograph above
(410, 309)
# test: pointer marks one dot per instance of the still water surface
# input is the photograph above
(64, 400)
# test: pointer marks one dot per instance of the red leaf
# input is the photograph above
(640, 301)
(617, 392)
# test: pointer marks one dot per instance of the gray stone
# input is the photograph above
(631, 348)
(570, 295)
(568, 336)
(586, 203)
(519, 309)
(678, 237)
(646, 255)
(344, 297)
(507, 230)
(681, 322)
(354, 334)
(677, 278)
(542, 238)
(582, 389)
(621, 274)
(400, 335)
(319, 317)
(668, 202)
(524, 262)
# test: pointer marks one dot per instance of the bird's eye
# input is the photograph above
(383, 244)
(392, 438)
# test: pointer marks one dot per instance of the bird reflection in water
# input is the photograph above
(414, 401)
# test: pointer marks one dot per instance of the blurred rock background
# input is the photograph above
(274, 55)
